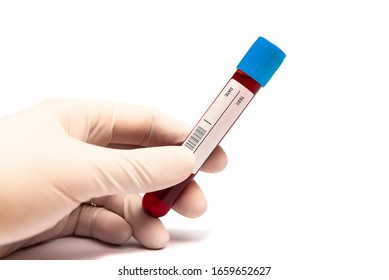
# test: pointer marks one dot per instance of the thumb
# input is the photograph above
(97, 171)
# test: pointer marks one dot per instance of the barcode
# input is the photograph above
(195, 138)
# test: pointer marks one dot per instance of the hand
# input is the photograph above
(62, 155)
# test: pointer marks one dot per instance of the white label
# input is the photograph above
(217, 120)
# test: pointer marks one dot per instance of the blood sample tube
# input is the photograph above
(253, 72)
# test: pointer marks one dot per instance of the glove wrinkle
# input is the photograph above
(152, 124)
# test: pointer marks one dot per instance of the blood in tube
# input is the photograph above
(253, 72)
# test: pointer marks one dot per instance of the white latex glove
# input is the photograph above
(61, 155)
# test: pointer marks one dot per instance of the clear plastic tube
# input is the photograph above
(253, 72)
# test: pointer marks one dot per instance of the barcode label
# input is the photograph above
(216, 121)
(195, 138)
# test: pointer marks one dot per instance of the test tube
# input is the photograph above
(253, 72)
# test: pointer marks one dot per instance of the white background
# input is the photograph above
(305, 190)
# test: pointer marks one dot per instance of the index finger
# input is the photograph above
(103, 123)
(120, 125)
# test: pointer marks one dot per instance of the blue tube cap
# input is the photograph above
(262, 61)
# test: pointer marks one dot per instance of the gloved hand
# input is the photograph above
(75, 167)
